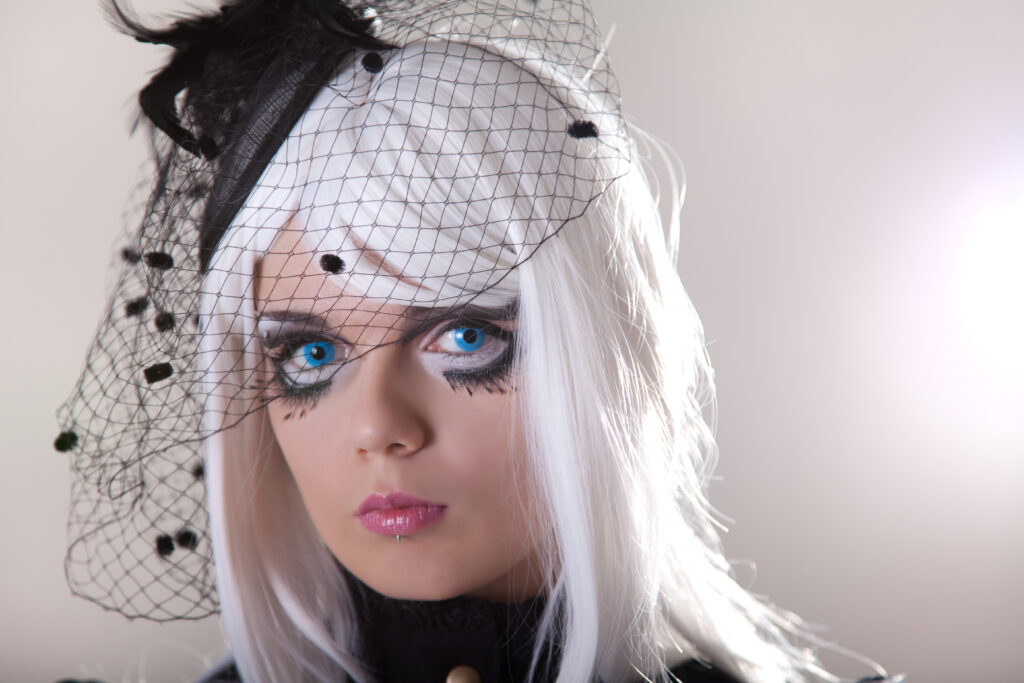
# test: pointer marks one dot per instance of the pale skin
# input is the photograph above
(391, 421)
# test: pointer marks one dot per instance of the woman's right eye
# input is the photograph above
(315, 354)
(306, 364)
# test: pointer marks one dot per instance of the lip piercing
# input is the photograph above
(398, 537)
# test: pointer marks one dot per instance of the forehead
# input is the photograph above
(316, 270)
(290, 277)
(291, 283)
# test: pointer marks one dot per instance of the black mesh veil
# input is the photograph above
(419, 151)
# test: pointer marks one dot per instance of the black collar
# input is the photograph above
(412, 640)
(415, 641)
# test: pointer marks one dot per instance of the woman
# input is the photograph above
(403, 306)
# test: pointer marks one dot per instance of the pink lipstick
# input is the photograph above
(398, 514)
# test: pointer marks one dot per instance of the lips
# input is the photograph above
(398, 514)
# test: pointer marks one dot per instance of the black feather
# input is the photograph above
(243, 76)
(220, 57)
(157, 101)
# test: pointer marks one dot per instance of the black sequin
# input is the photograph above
(198, 471)
(331, 263)
(583, 129)
(159, 260)
(130, 255)
(187, 539)
(65, 441)
(160, 371)
(164, 321)
(136, 306)
(373, 62)
(164, 545)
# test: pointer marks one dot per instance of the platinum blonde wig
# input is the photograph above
(612, 374)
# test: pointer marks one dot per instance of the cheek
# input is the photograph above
(483, 455)
(479, 440)
(297, 436)
(310, 448)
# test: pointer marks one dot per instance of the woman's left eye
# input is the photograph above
(471, 348)
(462, 340)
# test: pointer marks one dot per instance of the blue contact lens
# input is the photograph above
(469, 339)
(318, 353)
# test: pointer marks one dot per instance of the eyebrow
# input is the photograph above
(427, 317)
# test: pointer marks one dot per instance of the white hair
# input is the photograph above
(613, 379)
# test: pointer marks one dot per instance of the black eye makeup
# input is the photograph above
(475, 354)
(305, 353)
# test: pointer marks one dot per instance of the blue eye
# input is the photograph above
(473, 353)
(318, 353)
(468, 339)
(307, 364)
(471, 344)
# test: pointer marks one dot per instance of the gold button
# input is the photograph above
(463, 674)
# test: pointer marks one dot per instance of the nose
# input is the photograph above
(385, 415)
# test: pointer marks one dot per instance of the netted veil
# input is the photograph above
(507, 122)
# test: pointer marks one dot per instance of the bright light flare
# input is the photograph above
(989, 294)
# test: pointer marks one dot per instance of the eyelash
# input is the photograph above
(491, 378)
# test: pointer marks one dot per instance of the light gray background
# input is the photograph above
(842, 158)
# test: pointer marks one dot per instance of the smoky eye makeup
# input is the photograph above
(471, 350)
(472, 353)
(304, 355)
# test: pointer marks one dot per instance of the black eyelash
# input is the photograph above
(300, 397)
(493, 381)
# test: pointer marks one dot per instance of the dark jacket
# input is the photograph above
(409, 641)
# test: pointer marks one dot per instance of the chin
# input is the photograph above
(413, 584)
(407, 570)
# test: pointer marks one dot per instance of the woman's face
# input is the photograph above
(417, 436)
